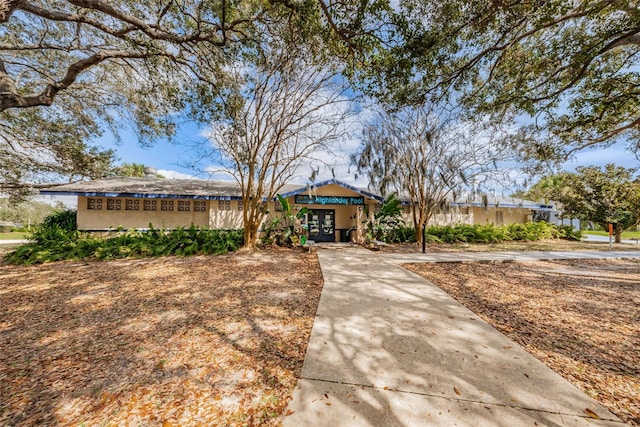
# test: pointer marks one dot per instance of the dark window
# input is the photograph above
(150, 205)
(132, 205)
(114, 204)
(94, 204)
(184, 205)
(167, 205)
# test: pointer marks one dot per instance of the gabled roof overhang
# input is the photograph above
(307, 188)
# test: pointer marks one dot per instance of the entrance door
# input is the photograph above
(322, 225)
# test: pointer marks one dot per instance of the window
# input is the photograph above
(114, 204)
(278, 206)
(184, 205)
(464, 210)
(406, 209)
(132, 205)
(150, 205)
(377, 207)
(199, 206)
(241, 205)
(166, 205)
(224, 205)
(94, 204)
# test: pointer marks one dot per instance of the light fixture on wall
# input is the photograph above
(360, 208)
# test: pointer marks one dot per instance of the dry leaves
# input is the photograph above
(172, 341)
(581, 318)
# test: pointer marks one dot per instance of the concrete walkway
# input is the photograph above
(388, 348)
(506, 256)
(12, 242)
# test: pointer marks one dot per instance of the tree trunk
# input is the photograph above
(422, 219)
(618, 233)
(251, 234)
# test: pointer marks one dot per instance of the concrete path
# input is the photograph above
(505, 256)
(597, 238)
(12, 242)
(388, 348)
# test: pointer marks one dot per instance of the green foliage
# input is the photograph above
(129, 169)
(388, 225)
(568, 65)
(65, 220)
(25, 213)
(132, 170)
(568, 233)
(490, 233)
(53, 243)
(604, 196)
(405, 235)
(285, 230)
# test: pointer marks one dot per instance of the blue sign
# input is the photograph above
(328, 200)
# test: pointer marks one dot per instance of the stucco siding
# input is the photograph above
(500, 216)
(225, 214)
(119, 216)
(451, 219)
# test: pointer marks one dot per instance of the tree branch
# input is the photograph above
(9, 98)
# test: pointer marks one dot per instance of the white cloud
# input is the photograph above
(175, 175)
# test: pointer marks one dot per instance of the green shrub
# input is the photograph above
(490, 233)
(406, 235)
(54, 244)
(568, 233)
(65, 220)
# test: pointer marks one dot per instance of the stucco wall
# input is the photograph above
(451, 219)
(108, 219)
(225, 214)
(216, 214)
(477, 215)
(455, 216)
(509, 215)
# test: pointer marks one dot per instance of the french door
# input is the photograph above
(322, 223)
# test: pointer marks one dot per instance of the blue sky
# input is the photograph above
(170, 158)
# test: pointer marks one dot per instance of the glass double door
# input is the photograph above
(322, 223)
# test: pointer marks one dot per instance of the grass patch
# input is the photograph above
(625, 235)
(14, 235)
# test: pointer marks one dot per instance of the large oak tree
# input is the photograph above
(84, 67)
(567, 68)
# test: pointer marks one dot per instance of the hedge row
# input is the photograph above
(495, 234)
(53, 243)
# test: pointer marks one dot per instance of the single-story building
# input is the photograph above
(338, 210)
(492, 209)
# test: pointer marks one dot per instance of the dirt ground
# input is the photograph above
(581, 318)
(171, 341)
